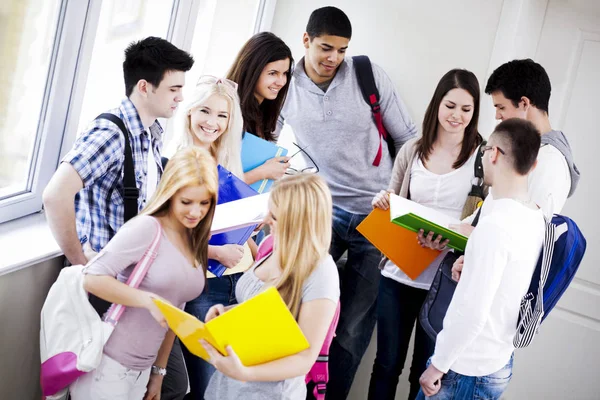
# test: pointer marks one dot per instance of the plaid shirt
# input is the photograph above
(97, 156)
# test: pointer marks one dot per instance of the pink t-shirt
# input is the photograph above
(137, 337)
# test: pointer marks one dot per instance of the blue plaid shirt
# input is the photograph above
(97, 156)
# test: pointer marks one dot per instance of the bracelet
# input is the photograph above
(155, 370)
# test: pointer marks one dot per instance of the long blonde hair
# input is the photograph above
(188, 167)
(227, 148)
(303, 233)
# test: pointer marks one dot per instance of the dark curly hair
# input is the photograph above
(519, 78)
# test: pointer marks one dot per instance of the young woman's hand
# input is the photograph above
(428, 241)
(214, 312)
(464, 229)
(230, 254)
(275, 167)
(457, 268)
(382, 200)
(153, 308)
(154, 387)
(229, 365)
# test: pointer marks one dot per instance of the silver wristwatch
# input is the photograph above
(158, 371)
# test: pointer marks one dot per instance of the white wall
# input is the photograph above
(416, 42)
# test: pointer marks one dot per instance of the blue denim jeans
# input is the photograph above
(359, 281)
(457, 386)
(218, 291)
(398, 307)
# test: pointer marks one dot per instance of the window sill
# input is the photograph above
(24, 242)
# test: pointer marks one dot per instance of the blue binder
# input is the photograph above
(255, 152)
(230, 188)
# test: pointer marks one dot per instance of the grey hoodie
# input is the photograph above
(559, 140)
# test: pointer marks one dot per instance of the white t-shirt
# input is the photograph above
(444, 193)
(550, 181)
(481, 321)
(152, 176)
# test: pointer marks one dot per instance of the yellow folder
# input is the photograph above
(398, 244)
(260, 330)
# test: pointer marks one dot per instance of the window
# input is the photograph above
(121, 22)
(62, 66)
(27, 32)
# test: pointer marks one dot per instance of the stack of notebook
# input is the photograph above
(255, 152)
(394, 233)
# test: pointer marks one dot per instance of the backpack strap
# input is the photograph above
(265, 248)
(115, 311)
(531, 311)
(368, 88)
(477, 188)
(319, 373)
(130, 190)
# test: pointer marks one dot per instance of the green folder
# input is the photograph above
(414, 223)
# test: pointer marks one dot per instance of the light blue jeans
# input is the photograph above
(461, 387)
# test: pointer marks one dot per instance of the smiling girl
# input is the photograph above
(436, 170)
(183, 206)
(262, 70)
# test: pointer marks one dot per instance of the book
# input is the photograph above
(255, 152)
(259, 330)
(398, 244)
(414, 216)
(240, 213)
(231, 188)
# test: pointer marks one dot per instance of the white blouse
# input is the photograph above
(445, 193)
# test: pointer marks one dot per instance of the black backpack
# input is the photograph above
(130, 190)
(366, 81)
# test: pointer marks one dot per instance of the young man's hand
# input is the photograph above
(431, 381)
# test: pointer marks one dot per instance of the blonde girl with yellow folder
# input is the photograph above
(136, 354)
(306, 276)
(436, 170)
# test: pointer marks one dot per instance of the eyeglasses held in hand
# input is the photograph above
(310, 170)
(216, 80)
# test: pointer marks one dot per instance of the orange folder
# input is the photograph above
(398, 244)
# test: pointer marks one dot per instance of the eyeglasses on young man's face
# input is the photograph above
(310, 170)
(486, 148)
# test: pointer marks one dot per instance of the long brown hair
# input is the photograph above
(453, 79)
(189, 166)
(303, 232)
(259, 50)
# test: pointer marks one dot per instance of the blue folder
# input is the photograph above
(230, 188)
(255, 152)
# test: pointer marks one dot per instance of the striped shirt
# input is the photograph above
(97, 156)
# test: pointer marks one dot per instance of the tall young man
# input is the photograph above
(474, 351)
(325, 109)
(84, 199)
(521, 89)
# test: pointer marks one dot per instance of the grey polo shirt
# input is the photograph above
(343, 138)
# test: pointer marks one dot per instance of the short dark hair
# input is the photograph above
(150, 58)
(453, 79)
(328, 21)
(519, 78)
(259, 50)
(523, 142)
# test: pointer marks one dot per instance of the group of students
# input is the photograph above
(312, 217)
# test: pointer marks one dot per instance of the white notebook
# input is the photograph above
(240, 213)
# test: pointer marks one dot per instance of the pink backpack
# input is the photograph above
(319, 373)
